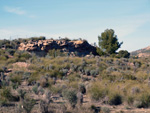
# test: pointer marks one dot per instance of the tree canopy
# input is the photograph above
(108, 42)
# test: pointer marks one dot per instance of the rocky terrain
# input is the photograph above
(81, 47)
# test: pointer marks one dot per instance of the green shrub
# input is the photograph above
(82, 88)
(35, 89)
(56, 89)
(130, 100)
(143, 101)
(123, 54)
(11, 51)
(129, 77)
(28, 104)
(115, 99)
(14, 85)
(37, 38)
(54, 53)
(21, 93)
(98, 92)
(3, 101)
(7, 95)
(71, 96)
(95, 109)
(11, 60)
(25, 55)
(56, 73)
(16, 79)
(3, 58)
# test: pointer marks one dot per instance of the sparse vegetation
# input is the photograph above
(57, 81)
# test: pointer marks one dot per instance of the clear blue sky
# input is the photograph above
(77, 19)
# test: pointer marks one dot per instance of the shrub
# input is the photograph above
(7, 95)
(43, 107)
(40, 90)
(57, 89)
(137, 104)
(98, 92)
(56, 73)
(123, 54)
(82, 88)
(135, 90)
(71, 96)
(54, 53)
(26, 75)
(5, 92)
(35, 89)
(105, 110)
(94, 72)
(14, 85)
(143, 101)
(21, 94)
(16, 79)
(47, 97)
(137, 64)
(87, 72)
(37, 38)
(22, 55)
(44, 82)
(3, 101)
(11, 51)
(65, 71)
(130, 100)
(28, 104)
(115, 99)
(4, 58)
(129, 77)
(79, 98)
(95, 109)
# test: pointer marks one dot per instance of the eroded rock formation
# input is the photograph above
(80, 46)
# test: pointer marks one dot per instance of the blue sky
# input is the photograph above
(77, 19)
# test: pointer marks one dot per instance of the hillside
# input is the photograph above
(62, 83)
(145, 52)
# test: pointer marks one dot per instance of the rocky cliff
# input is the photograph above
(82, 47)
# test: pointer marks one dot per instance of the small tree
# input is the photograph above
(108, 42)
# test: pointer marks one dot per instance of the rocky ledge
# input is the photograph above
(82, 47)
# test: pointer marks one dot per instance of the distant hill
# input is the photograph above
(145, 52)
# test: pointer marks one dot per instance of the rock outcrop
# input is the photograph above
(80, 46)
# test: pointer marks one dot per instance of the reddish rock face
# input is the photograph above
(80, 46)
